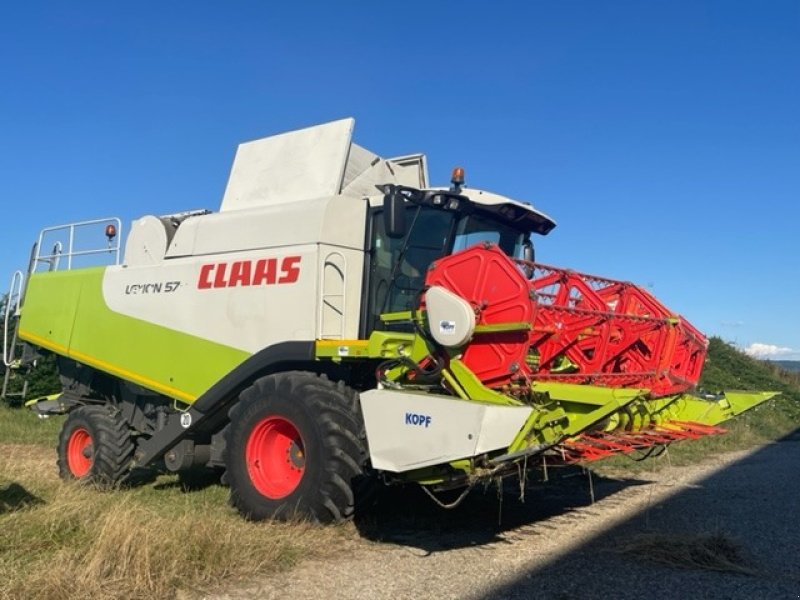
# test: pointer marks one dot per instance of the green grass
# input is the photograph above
(21, 426)
(154, 540)
(727, 368)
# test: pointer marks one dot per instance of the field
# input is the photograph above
(152, 541)
(160, 540)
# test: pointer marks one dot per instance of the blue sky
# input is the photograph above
(664, 137)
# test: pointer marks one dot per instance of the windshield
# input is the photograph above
(476, 228)
(398, 266)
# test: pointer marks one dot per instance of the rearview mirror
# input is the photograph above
(527, 251)
(528, 257)
(394, 214)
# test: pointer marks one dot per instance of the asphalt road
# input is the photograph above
(560, 545)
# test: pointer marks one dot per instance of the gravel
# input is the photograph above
(560, 545)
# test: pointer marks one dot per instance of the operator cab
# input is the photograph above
(415, 227)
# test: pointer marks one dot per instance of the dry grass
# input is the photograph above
(705, 551)
(155, 541)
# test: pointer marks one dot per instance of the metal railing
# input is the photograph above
(58, 253)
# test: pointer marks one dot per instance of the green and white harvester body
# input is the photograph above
(339, 323)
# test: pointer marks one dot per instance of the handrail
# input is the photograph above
(58, 253)
(17, 279)
(58, 250)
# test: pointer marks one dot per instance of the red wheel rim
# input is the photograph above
(80, 452)
(275, 457)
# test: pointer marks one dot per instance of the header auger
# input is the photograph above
(313, 336)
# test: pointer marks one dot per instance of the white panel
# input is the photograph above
(335, 220)
(365, 184)
(332, 305)
(359, 160)
(500, 426)
(207, 296)
(536, 217)
(451, 318)
(307, 163)
(408, 431)
(354, 272)
(411, 170)
(147, 242)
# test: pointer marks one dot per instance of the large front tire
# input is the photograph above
(295, 448)
(94, 446)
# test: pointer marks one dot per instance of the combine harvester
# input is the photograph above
(339, 322)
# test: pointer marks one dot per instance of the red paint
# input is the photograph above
(275, 457)
(219, 278)
(240, 273)
(204, 282)
(245, 273)
(80, 456)
(290, 269)
(588, 447)
(584, 329)
(265, 271)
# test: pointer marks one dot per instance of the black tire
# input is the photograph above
(310, 472)
(94, 446)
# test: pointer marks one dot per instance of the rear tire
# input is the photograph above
(295, 448)
(94, 446)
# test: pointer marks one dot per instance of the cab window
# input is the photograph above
(398, 265)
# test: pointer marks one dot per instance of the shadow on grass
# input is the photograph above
(15, 497)
(192, 480)
(407, 516)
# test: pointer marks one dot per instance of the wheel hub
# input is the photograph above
(80, 452)
(296, 456)
(275, 457)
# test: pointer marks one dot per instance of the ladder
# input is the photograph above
(13, 356)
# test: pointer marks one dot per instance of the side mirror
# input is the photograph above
(394, 214)
(527, 251)
(528, 257)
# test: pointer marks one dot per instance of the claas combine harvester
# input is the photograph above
(339, 323)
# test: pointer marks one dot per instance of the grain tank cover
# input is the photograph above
(315, 162)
